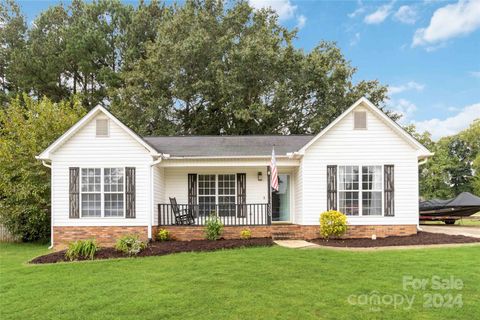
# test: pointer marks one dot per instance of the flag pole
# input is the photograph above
(270, 193)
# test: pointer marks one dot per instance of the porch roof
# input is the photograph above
(218, 146)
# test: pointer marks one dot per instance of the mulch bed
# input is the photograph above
(164, 248)
(421, 238)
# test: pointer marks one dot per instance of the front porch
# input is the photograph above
(237, 191)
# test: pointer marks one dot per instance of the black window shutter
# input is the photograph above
(389, 188)
(241, 195)
(331, 187)
(192, 189)
(74, 193)
(130, 192)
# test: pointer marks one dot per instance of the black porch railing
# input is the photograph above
(253, 214)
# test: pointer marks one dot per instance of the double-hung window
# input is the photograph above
(371, 190)
(102, 192)
(216, 189)
(206, 193)
(91, 192)
(360, 190)
(226, 194)
(113, 192)
(348, 190)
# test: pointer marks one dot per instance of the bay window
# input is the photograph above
(102, 192)
(360, 190)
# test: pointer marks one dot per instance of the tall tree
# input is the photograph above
(455, 166)
(12, 40)
(203, 67)
(27, 127)
(233, 70)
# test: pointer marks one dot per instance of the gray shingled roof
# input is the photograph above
(198, 146)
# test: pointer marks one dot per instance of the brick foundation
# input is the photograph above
(105, 236)
(298, 231)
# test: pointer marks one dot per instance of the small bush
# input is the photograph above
(332, 224)
(245, 234)
(163, 235)
(130, 244)
(85, 249)
(213, 227)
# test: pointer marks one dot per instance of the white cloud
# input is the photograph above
(406, 14)
(284, 8)
(379, 15)
(452, 125)
(355, 40)
(357, 12)
(403, 107)
(301, 21)
(360, 9)
(411, 85)
(450, 21)
(475, 74)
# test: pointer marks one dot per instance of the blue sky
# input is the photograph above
(428, 52)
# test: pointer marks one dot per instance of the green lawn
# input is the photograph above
(258, 283)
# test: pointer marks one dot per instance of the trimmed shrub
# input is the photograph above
(245, 234)
(332, 224)
(213, 227)
(163, 235)
(85, 249)
(130, 244)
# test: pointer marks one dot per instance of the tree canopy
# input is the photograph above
(203, 67)
(455, 166)
(27, 127)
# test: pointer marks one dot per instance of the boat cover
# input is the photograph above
(464, 204)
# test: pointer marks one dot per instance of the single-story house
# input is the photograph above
(108, 181)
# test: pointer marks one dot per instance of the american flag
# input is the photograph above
(274, 173)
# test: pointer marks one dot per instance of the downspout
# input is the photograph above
(51, 215)
(152, 203)
(419, 164)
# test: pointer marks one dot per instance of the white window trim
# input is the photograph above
(360, 189)
(216, 186)
(102, 193)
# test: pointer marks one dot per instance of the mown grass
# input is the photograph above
(258, 283)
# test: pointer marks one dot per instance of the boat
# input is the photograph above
(449, 210)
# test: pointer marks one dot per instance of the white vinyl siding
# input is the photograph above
(158, 190)
(176, 183)
(377, 146)
(118, 150)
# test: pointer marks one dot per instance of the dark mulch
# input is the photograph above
(421, 238)
(164, 248)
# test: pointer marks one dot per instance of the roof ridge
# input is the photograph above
(228, 136)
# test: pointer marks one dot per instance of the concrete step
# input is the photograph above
(283, 236)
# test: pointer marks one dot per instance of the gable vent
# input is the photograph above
(360, 120)
(102, 128)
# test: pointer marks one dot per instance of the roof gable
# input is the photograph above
(422, 152)
(45, 155)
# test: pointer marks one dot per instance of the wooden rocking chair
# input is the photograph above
(182, 216)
